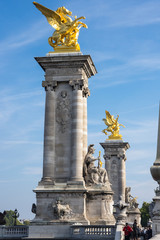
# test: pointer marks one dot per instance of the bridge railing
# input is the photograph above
(93, 232)
(14, 231)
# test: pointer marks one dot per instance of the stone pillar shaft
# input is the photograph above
(77, 135)
(84, 126)
(114, 154)
(122, 178)
(49, 136)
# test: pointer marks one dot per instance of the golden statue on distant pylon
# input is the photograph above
(112, 126)
(64, 38)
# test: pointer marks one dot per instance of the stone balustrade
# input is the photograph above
(77, 232)
(93, 231)
(13, 232)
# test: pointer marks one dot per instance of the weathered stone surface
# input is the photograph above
(61, 194)
(47, 200)
(114, 155)
(65, 132)
(99, 205)
(62, 197)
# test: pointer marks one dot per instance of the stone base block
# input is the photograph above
(132, 215)
(59, 204)
(57, 231)
(100, 208)
(155, 226)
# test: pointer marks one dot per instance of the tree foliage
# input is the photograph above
(144, 214)
(26, 222)
(10, 220)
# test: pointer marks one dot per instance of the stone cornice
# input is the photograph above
(80, 61)
(115, 145)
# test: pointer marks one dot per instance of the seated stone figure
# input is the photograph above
(132, 201)
(91, 173)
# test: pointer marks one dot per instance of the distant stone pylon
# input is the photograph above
(155, 169)
(155, 172)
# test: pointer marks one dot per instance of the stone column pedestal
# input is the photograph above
(156, 213)
(115, 157)
(99, 206)
(133, 214)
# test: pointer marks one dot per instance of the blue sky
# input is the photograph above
(123, 39)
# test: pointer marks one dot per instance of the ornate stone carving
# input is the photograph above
(86, 92)
(151, 207)
(91, 173)
(63, 110)
(114, 168)
(62, 211)
(121, 154)
(49, 85)
(130, 200)
(77, 84)
(121, 208)
(107, 156)
(34, 208)
(108, 205)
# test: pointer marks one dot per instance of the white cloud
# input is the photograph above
(93, 122)
(146, 62)
(135, 15)
(142, 123)
(144, 190)
(132, 66)
(32, 171)
(99, 56)
(139, 155)
(20, 39)
(25, 95)
(143, 172)
(12, 142)
(7, 112)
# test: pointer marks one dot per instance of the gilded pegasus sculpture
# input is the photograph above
(112, 126)
(65, 36)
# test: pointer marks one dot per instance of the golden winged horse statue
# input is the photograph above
(65, 36)
(112, 126)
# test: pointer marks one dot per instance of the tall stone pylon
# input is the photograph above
(65, 130)
(115, 157)
(155, 172)
(61, 193)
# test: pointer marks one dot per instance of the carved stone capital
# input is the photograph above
(77, 84)
(121, 154)
(107, 156)
(49, 85)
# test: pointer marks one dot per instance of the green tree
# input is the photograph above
(9, 219)
(26, 222)
(144, 214)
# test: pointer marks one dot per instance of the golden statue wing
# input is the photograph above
(109, 120)
(53, 18)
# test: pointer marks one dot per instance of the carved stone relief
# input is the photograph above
(114, 171)
(63, 110)
(108, 205)
(62, 211)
